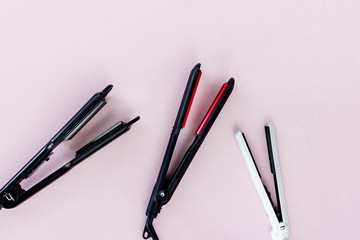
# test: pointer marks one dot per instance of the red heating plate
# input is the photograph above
(212, 108)
(191, 100)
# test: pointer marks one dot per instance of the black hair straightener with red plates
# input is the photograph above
(164, 188)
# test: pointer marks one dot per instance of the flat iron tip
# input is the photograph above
(133, 121)
(107, 90)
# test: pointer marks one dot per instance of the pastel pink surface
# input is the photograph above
(295, 63)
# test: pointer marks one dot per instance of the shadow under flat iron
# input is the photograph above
(12, 194)
(165, 188)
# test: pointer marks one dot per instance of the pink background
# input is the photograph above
(296, 63)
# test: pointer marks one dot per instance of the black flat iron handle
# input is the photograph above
(154, 205)
(66, 132)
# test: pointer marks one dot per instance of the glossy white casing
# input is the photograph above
(280, 230)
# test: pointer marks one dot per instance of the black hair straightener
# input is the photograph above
(12, 194)
(164, 188)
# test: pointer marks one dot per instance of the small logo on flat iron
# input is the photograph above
(9, 197)
(282, 227)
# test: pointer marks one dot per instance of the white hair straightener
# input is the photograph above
(278, 216)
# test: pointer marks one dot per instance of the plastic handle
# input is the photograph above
(188, 97)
